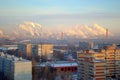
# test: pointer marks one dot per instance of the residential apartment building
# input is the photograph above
(59, 70)
(25, 50)
(107, 60)
(28, 51)
(13, 68)
(91, 66)
(43, 50)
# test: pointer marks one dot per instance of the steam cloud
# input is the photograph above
(1, 33)
(30, 29)
(85, 31)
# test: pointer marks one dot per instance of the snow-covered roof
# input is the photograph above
(8, 47)
(12, 58)
(64, 64)
(60, 64)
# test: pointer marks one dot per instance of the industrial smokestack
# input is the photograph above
(106, 33)
(62, 35)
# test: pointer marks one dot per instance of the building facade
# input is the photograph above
(91, 66)
(42, 50)
(25, 50)
(107, 60)
(13, 68)
(56, 70)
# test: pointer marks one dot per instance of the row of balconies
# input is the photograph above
(89, 77)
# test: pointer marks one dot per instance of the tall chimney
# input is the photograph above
(106, 33)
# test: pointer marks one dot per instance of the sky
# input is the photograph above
(57, 13)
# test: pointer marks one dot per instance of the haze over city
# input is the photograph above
(73, 18)
(59, 40)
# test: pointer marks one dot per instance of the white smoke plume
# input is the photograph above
(1, 33)
(85, 31)
(76, 31)
(99, 30)
(30, 28)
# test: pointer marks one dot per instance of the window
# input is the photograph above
(62, 69)
(68, 68)
(65, 69)
(75, 68)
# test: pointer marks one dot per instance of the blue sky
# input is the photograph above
(61, 12)
(36, 7)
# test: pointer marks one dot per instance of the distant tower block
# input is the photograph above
(62, 35)
(91, 44)
(106, 33)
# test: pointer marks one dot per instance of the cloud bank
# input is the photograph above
(1, 33)
(85, 31)
(30, 29)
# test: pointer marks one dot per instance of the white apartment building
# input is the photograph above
(14, 68)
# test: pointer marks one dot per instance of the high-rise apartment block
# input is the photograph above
(28, 50)
(13, 68)
(91, 66)
(25, 50)
(42, 50)
(99, 64)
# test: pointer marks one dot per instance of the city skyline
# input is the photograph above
(60, 14)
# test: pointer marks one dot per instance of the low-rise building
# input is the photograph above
(57, 70)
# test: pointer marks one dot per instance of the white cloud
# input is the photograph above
(85, 31)
(1, 33)
(31, 29)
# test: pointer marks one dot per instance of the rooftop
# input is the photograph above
(13, 58)
(59, 64)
